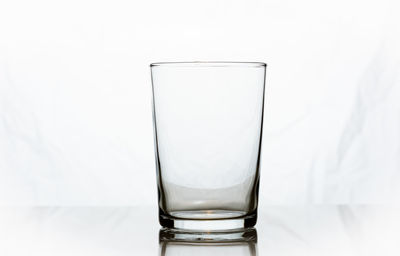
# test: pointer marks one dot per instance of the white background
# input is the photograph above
(75, 95)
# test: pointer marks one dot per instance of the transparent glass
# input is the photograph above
(208, 119)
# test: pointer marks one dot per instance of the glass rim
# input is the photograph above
(208, 64)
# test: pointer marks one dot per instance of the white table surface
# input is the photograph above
(282, 230)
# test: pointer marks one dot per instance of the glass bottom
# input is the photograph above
(212, 220)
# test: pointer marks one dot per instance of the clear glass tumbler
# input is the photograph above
(208, 119)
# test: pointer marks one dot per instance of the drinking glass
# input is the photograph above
(207, 119)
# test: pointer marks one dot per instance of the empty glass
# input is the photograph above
(208, 119)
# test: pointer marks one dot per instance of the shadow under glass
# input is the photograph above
(241, 242)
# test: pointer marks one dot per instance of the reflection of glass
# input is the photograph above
(208, 120)
(236, 243)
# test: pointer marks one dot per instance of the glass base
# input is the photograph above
(207, 220)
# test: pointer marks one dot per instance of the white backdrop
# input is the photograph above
(75, 95)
